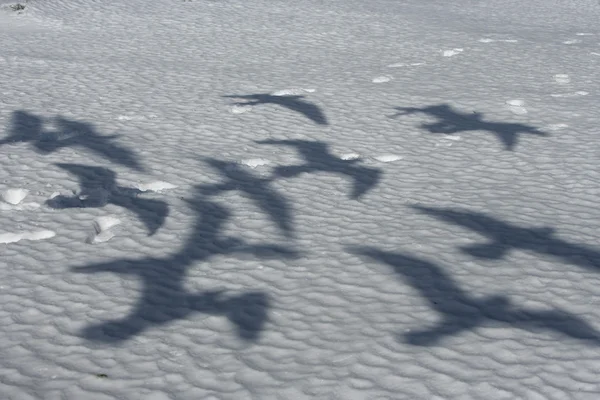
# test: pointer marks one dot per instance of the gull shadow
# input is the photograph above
(255, 188)
(451, 121)
(319, 159)
(504, 237)
(164, 297)
(460, 312)
(99, 188)
(294, 103)
(28, 128)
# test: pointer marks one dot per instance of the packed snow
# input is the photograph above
(299, 199)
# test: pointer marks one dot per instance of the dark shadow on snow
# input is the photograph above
(99, 188)
(256, 188)
(294, 103)
(27, 127)
(505, 237)
(451, 121)
(164, 298)
(319, 159)
(460, 312)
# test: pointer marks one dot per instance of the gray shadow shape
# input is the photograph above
(28, 128)
(99, 188)
(504, 237)
(460, 312)
(451, 121)
(294, 103)
(164, 298)
(255, 188)
(319, 159)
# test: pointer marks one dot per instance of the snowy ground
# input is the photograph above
(335, 199)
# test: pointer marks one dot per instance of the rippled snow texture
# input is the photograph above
(431, 235)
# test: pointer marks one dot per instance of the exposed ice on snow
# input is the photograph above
(255, 162)
(350, 156)
(386, 158)
(453, 52)
(382, 79)
(517, 106)
(155, 186)
(557, 127)
(573, 94)
(292, 92)
(562, 78)
(14, 196)
(240, 109)
(399, 65)
(102, 224)
(31, 235)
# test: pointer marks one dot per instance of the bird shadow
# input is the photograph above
(318, 158)
(461, 312)
(29, 128)
(452, 121)
(99, 188)
(255, 188)
(164, 297)
(292, 102)
(504, 237)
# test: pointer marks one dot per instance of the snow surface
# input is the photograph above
(431, 234)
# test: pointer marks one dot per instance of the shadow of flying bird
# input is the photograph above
(164, 297)
(255, 188)
(451, 121)
(505, 236)
(292, 102)
(99, 188)
(461, 312)
(28, 128)
(319, 159)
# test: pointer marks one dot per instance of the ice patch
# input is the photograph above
(102, 232)
(101, 237)
(382, 79)
(572, 41)
(575, 94)
(156, 186)
(399, 65)
(595, 54)
(387, 158)
(102, 224)
(453, 52)
(133, 117)
(14, 196)
(255, 162)
(517, 107)
(562, 78)
(350, 156)
(19, 207)
(488, 40)
(556, 127)
(584, 34)
(240, 109)
(292, 92)
(450, 137)
(32, 235)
